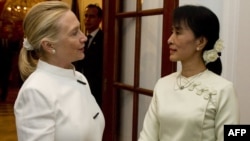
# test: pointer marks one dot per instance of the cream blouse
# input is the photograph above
(197, 112)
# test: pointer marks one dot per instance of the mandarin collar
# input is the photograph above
(55, 69)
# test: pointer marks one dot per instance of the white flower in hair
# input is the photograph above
(212, 55)
(27, 45)
(218, 46)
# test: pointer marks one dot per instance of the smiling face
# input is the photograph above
(183, 44)
(70, 44)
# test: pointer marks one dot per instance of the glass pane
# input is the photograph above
(144, 102)
(127, 50)
(125, 115)
(151, 50)
(128, 5)
(152, 4)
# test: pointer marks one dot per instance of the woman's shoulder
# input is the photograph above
(213, 82)
(215, 78)
(168, 79)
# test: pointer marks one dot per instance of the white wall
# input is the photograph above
(242, 67)
(235, 31)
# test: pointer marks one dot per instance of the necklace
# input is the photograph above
(180, 80)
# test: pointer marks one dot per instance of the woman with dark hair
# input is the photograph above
(196, 102)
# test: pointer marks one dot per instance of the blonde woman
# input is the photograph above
(54, 102)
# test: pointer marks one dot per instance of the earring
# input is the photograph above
(53, 51)
(197, 48)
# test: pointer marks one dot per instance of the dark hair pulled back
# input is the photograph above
(203, 22)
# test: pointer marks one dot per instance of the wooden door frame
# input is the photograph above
(109, 105)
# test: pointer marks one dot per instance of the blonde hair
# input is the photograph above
(40, 22)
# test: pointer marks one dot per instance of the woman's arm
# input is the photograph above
(227, 111)
(35, 116)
